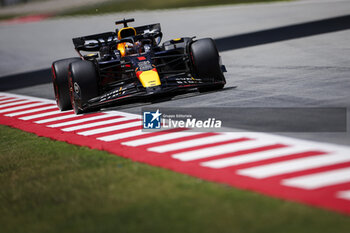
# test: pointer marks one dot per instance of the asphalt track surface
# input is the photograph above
(277, 55)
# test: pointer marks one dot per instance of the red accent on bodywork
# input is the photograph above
(138, 73)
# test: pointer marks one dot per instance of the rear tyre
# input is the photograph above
(60, 82)
(83, 84)
(206, 64)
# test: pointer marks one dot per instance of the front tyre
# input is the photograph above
(83, 84)
(60, 82)
(206, 64)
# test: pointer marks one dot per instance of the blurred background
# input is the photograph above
(13, 8)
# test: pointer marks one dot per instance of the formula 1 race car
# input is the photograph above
(130, 63)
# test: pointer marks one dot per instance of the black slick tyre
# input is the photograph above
(83, 84)
(60, 82)
(206, 64)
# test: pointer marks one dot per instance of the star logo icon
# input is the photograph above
(156, 115)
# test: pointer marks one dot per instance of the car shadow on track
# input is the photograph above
(165, 98)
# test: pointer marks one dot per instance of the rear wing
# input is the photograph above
(152, 28)
(95, 42)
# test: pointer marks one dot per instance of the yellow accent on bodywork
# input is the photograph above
(149, 78)
(125, 29)
(177, 39)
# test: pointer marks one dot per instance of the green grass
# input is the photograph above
(6, 17)
(50, 186)
(131, 5)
